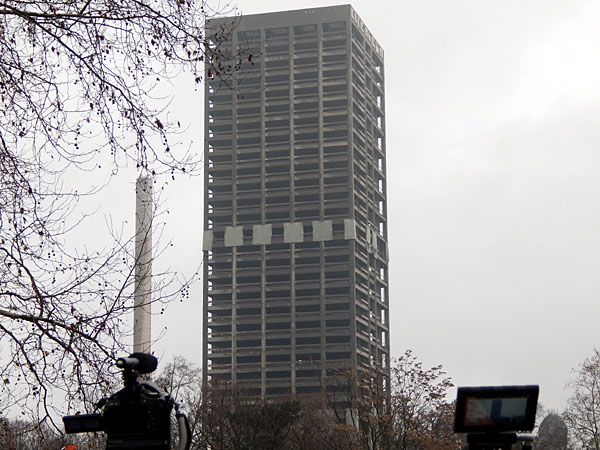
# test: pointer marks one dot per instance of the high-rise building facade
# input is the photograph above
(295, 240)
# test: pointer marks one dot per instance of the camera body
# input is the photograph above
(136, 417)
(492, 415)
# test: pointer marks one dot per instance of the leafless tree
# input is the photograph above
(419, 405)
(183, 381)
(232, 419)
(80, 82)
(27, 435)
(582, 414)
(552, 433)
(354, 411)
(414, 415)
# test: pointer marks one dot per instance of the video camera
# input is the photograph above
(136, 417)
(492, 415)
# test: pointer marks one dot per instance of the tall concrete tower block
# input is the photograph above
(295, 228)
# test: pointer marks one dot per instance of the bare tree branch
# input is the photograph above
(81, 88)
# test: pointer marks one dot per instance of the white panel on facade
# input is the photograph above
(207, 240)
(261, 234)
(293, 232)
(374, 239)
(349, 229)
(234, 236)
(322, 231)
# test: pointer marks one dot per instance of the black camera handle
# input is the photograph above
(185, 432)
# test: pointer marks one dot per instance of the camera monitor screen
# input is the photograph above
(495, 409)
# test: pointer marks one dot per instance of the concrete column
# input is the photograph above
(143, 265)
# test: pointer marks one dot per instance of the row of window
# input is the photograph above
(274, 310)
(300, 258)
(253, 359)
(271, 34)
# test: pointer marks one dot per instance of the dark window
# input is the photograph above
(307, 373)
(338, 355)
(251, 311)
(279, 374)
(278, 326)
(278, 342)
(337, 323)
(278, 310)
(248, 375)
(305, 29)
(248, 326)
(248, 35)
(309, 324)
(337, 339)
(249, 343)
(337, 307)
(221, 360)
(334, 26)
(308, 308)
(276, 32)
(248, 359)
(278, 390)
(310, 340)
(308, 357)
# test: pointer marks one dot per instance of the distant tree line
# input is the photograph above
(355, 411)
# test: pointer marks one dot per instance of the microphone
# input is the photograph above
(140, 362)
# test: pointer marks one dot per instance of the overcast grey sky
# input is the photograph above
(492, 112)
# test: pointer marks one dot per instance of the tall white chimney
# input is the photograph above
(143, 265)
